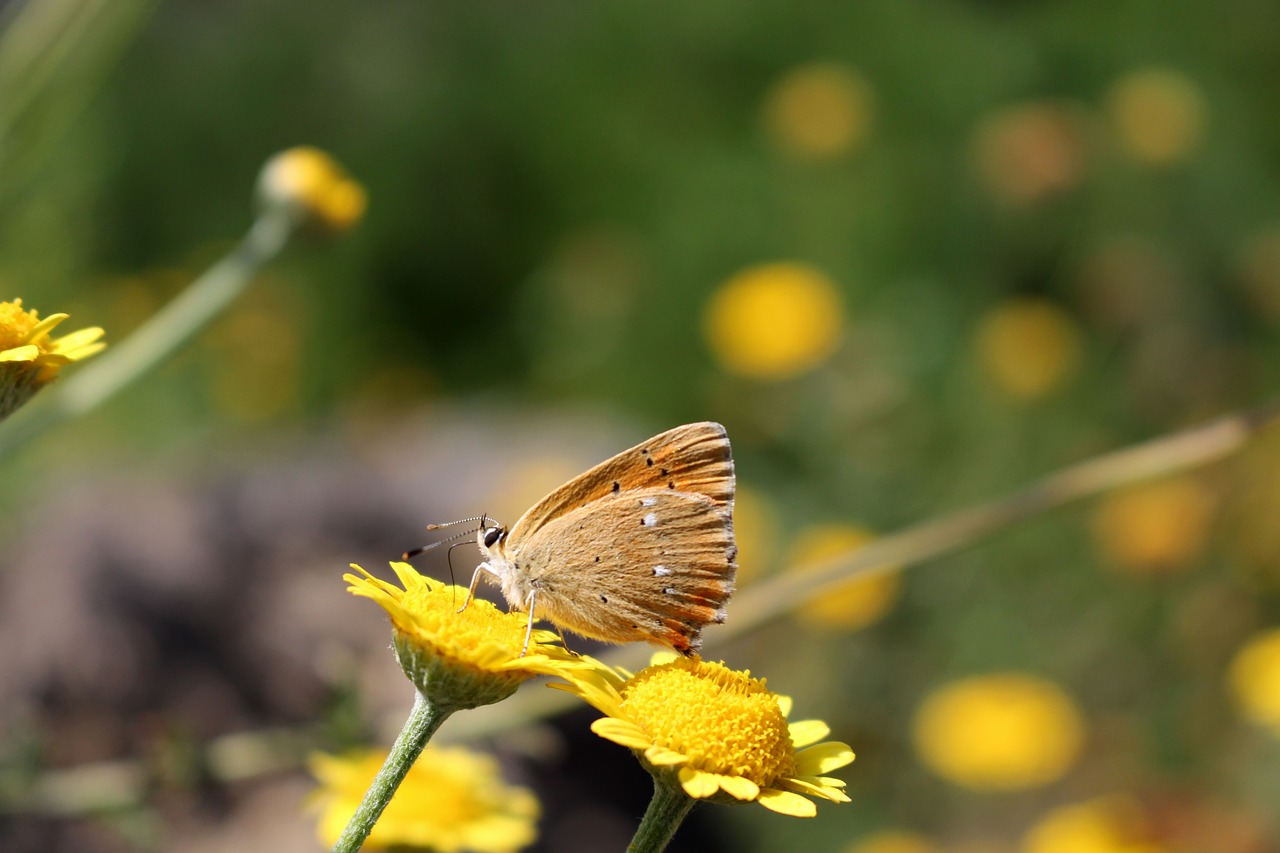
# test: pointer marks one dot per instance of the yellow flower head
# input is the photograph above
(451, 800)
(313, 188)
(459, 660)
(1158, 115)
(858, 602)
(717, 733)
(999, 732)
(819, 111)
(774, 321)
(30, 358)
(1028, 347)
(1103, 825)
(1156, 528)
(1254, 679)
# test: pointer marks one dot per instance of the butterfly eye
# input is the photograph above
(493, 534)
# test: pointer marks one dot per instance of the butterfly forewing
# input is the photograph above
(691, 458)
(648, 564)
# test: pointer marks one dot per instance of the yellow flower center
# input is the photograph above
(16, 324)
(724, 721)
(434, 613)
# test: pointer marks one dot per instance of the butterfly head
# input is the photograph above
(490, 534)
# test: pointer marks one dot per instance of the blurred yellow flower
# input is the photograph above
(716, 733)
(1254, 679)
(313, 188)
(450, 801)
(1000, 732)
(1155, 528)
(755, 527)
(855, 604)
(30, 358)
(1103, 825)
(818, 111)
(1028, 347)
(459, 659)
(774, 321)
(893, 841)
(1028, 153)
(1158, 114)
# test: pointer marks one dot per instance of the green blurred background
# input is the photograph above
(558, 192)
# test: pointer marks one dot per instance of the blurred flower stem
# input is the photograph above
(425, 717)
(156, 339)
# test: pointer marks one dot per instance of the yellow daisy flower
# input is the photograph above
(313, 188)
(774, 321)
(999, 732)
(451, 800)
(717, 733)
(459, 659)
(30, 358)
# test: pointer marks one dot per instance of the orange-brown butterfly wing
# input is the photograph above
(691, 458)
(647, 563)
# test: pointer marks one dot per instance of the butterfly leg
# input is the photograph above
(482, 569)
(528, 632)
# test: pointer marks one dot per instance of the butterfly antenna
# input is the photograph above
(420, 550)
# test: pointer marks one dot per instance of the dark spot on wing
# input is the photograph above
(604, 599)
(671, 484)
(617, 487)
(648, 461)
(597, 559)
(665, 472)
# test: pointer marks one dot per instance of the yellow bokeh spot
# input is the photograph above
(999, 732)
(1155, 528)
(893, 841)
(1158, 115)
(1254, 679)
(818, 111)
(1028, 347)
(451, 799)
(313, 187)
(774, 321)
(1104, 825)
(1028, 153)
(858, 602)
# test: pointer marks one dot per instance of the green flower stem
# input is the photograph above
(423, 721)
(155, 340)
(667, 810)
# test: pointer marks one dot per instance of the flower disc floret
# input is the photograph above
(459, 659)
(717, 733)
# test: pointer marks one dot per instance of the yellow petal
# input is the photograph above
(78, 338)
(823, 757)
(784, 702)
(28, 352)
(663, 757)
(739, 787)
(621, 732)
(44, 327)
(814, 787)
(698, 784)
(807, 732)
(785, 802)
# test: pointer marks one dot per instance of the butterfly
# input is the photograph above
(640, 547)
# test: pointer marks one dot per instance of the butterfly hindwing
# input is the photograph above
(650, 563)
